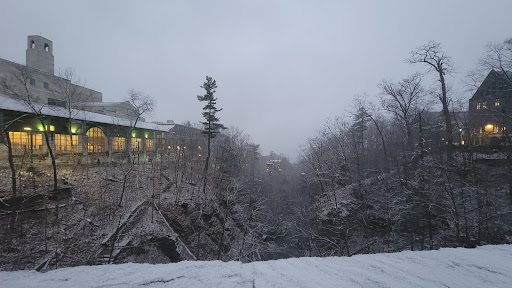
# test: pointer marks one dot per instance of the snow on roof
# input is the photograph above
(99, 104)
(487, 266)
(7, 103)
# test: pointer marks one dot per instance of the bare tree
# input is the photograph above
(142, 104)
(402, 99)
(432, 55)
(369, 111)
(71, 91)
(498, 56)
(18, 87)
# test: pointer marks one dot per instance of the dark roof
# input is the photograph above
(504, 77)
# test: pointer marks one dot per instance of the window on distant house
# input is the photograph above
(46, 85)
(46, 47)
(32, 81)
(32, 44)
(484, 105)
(497, 102)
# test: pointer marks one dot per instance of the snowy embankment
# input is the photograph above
(487, 266)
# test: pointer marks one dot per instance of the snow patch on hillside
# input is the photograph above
(487, 266)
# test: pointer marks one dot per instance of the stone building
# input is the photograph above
(490, 110)
(42, 80)
(102, 134)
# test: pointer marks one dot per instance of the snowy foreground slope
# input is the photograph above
(487, 266)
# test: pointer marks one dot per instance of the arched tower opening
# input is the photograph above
(40, 54)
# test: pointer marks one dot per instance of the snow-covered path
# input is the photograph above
(487, 266)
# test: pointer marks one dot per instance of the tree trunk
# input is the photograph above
(14, 204)
(52, 156)
(446, 114)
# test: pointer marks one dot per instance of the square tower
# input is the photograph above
(40, 54)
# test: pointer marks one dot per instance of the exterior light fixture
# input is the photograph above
(133, 134)
(27, 129)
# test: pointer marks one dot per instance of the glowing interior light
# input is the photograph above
(27, 128)
(489, 127)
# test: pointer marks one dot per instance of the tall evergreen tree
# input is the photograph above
(211, 124)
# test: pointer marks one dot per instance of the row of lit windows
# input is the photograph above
(66, 142)
(483, 105)
(22, 140)
(96, 141)
(490, 128)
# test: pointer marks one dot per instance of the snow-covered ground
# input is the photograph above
(487, 266)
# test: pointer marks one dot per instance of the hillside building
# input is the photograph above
(98, 131)
(490, 109)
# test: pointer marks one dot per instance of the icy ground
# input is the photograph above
(487, 266)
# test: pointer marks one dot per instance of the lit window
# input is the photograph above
(46, 85)
(484, 105)
(497, 103)
(37, 141)
(95, 140)
(149, 143)
(135, 143)
(52, 128)
(21, 140)
(489, 128)
(32, 81)
(63, 142)
(118, 143)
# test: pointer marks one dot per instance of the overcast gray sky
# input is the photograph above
(282, 67)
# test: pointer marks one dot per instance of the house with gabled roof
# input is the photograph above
(490, 109)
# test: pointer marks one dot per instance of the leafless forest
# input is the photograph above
(389, 174)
